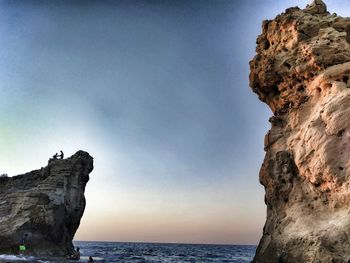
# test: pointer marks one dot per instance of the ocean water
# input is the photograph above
(150, 252)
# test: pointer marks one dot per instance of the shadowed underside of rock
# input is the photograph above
(44, 206)
(302, 71)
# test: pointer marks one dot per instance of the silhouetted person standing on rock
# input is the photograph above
(61, 155)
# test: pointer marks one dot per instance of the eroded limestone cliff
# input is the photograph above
(302, 71)
(44, 206)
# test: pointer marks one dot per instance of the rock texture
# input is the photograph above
(302, 71)
(44, 206)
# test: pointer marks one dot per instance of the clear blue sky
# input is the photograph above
(157, 92)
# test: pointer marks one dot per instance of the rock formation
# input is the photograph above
(44, 206)
(302, 71)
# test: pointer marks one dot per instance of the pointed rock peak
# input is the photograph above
(317, 7)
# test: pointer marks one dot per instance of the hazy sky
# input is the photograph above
(157, 92)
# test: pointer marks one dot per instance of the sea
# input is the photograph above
(149, 252)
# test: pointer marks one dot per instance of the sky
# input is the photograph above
(157, 92)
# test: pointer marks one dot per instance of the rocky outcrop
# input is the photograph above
(44, 207)
(302, 71)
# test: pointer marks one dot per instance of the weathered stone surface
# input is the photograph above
(44, 206)
(302, 71)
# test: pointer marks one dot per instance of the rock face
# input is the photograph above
(302, 71)
(44, 206)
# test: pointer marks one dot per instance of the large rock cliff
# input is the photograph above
(44, 207)
(302, 71)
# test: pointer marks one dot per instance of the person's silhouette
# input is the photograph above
(61, 155)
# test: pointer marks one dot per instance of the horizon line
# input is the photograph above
(167, 243)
